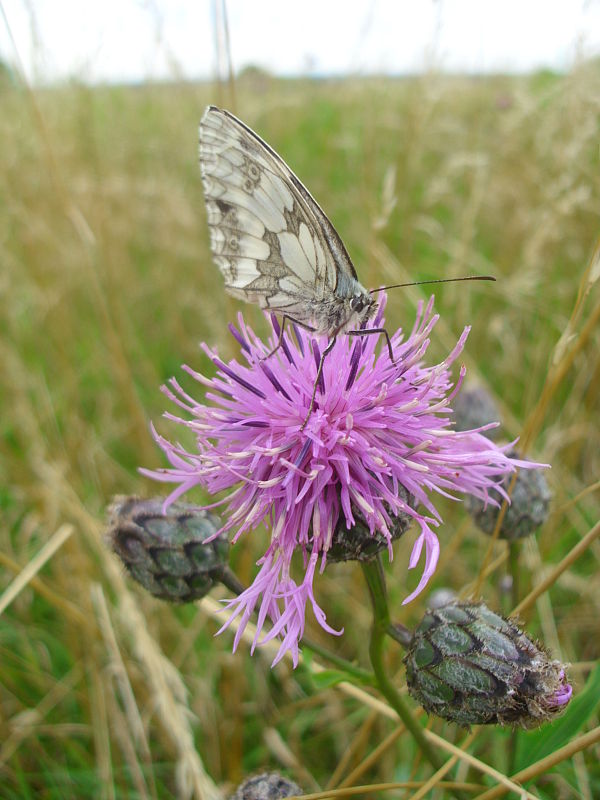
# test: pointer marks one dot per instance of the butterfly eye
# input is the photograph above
(357, 303)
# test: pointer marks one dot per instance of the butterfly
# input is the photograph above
(272, 241)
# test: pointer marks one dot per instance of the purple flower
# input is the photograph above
(376, 425)
(563, 694)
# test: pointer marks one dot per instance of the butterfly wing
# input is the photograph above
(269, 237)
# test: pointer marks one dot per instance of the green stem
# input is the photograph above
(373, 572)
(399, 633)
(229, 579)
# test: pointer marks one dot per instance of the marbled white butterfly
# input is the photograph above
(272, 241)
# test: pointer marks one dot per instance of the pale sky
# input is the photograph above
(138, 40)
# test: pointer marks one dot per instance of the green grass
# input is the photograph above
(108, 286)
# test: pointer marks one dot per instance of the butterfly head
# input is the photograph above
(354, 305)
(362, 306)
(360, 301)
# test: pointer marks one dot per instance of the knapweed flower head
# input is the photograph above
(178, 557)
(380, 431)
(266, 786)
(475, 407)
(530, 498)
(473, 667)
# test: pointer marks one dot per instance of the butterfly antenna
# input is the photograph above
(435, 280)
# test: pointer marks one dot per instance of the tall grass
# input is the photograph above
(108, 286)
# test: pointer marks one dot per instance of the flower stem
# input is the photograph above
(399, 633)
(373, 572)
(229, 579)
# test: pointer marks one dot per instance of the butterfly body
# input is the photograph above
(271, 240)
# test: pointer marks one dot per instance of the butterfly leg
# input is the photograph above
(284, 319)
(325, 352)
(370, 331)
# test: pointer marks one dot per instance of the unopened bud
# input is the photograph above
(358, 543)
(529, 504)
(166, 553)
(474, 407)
(473, 667)
(267, 786)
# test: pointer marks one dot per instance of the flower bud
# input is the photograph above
(473, 667)
(358, 543)
(474, 407)
(166, 554)
(267, 786)
(528, 509)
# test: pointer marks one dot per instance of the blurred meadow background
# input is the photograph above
(108, 286)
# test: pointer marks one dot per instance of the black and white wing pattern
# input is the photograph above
(269, 237)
